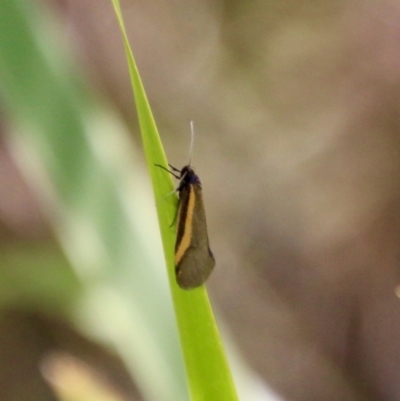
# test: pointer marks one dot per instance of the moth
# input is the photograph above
(194, 260)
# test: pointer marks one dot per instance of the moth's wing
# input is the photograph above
(194, 259)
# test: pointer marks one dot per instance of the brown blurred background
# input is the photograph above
(296, 112)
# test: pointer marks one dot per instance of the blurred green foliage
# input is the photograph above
(80, 162)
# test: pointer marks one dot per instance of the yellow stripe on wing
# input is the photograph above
(187, 232)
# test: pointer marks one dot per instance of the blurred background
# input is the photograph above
(296, 113)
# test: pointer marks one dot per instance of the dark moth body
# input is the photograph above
(194, 260)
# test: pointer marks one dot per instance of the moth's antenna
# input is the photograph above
(191, 142)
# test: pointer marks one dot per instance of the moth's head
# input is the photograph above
(188, 176)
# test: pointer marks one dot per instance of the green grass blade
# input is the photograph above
(208, 372)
